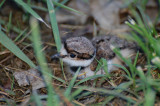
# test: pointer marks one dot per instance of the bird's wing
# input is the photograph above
(104, 50)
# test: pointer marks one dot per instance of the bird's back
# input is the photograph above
(104, 44)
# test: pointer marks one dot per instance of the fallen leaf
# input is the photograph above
(30, 77)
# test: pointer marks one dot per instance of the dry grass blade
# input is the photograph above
(6, 42)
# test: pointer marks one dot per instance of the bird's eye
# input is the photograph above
(72, 55)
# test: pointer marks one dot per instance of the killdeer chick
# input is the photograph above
(80, 52)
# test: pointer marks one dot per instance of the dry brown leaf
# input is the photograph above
(29, 77)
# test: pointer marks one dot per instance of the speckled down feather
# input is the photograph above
(80, 45)
(103, 43)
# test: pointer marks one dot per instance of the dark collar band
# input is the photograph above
(74, 68)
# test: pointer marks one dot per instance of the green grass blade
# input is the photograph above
(124, 68)
(76, 93)
(150, 97)
(9, 22)
(89, 78)
(68, 8)
(99, 66)
(127, 61)
(141, 43)
(136, 59)
(2, 3)
(14, 28)
(6, 42)
(141, 74)
(105, 67)
(54, 24)
(20, 35)
(55, 29)
(112, 93)
(31, 11)
(42, 62)
(123, 85)
(68, 90)
(36, 98)
(83, 94)
(63, 2)
(39, 8)
(58, 79)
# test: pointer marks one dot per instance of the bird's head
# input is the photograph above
(77, 51)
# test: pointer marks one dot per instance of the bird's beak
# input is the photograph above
(56, 56)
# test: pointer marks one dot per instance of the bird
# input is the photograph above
(78, 51)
